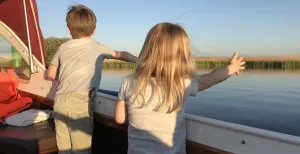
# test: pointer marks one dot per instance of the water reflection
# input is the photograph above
(267, 99)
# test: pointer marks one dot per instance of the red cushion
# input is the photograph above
(8, 83)
(7, 110)
(10, 101)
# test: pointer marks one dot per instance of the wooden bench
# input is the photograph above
(34, 139)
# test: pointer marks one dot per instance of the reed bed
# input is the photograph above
(5, 62)
(282, 62)
(253, 62)
(9, 63)
(117, 64)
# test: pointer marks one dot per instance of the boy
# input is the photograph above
(80, 63)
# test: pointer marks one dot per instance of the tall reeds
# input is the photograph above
(117, 64)
(5, 62)
(270, 62)
(214, 62)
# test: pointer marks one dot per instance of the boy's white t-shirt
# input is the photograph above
(150, 131)
(80, 65)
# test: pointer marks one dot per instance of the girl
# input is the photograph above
(154, 95)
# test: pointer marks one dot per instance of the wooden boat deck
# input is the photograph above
(108, 136)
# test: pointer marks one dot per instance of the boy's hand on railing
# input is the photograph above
(124, 56)
(236, 64)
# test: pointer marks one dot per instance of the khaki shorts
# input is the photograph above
(73, 123)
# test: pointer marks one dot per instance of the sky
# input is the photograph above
(215, 27)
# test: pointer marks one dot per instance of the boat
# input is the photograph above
(19, 26)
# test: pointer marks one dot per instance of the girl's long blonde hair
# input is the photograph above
(165, 56)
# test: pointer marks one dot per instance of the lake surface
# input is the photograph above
(267, 99)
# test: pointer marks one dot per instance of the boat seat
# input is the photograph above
(34, 139)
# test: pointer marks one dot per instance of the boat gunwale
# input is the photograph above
(107, 120)
(281, 137)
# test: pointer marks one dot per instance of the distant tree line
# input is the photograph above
(258, 62)
(51, 46)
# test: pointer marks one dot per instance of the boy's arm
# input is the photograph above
(52, 70)
(120, 55)
(218, 75)
(124, 56)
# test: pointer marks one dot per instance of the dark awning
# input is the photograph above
(12, 14)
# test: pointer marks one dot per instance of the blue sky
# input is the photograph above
(215, 27)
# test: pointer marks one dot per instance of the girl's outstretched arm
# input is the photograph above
(218, 75)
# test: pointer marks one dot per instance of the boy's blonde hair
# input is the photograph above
(166, 56)
(81, 21)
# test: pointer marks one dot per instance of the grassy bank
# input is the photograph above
(280, 62)
(116, 64)
(254, 62)
(5, 62)
(213, 62)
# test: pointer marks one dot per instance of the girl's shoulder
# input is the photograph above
(191, 85)
(127, 79)
(127, 83)
(190, 80)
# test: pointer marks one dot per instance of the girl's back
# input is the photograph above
(152, 131)
(152, 98)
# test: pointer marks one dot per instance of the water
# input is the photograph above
(259, 98)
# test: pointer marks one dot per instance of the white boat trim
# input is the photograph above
(14, 40)
(246, 129)
(38, 34)
(28, 39)
(230, 137)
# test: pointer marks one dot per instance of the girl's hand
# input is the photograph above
(236, 64)
(221, 74)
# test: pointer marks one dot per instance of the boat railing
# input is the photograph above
(226, 125)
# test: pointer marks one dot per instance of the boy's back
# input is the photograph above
(80, 62)
(80, 66)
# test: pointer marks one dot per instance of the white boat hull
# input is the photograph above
(222, 135)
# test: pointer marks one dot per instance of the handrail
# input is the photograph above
(246, 129)
(109, 92)
(28, 39)
(234, 127)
